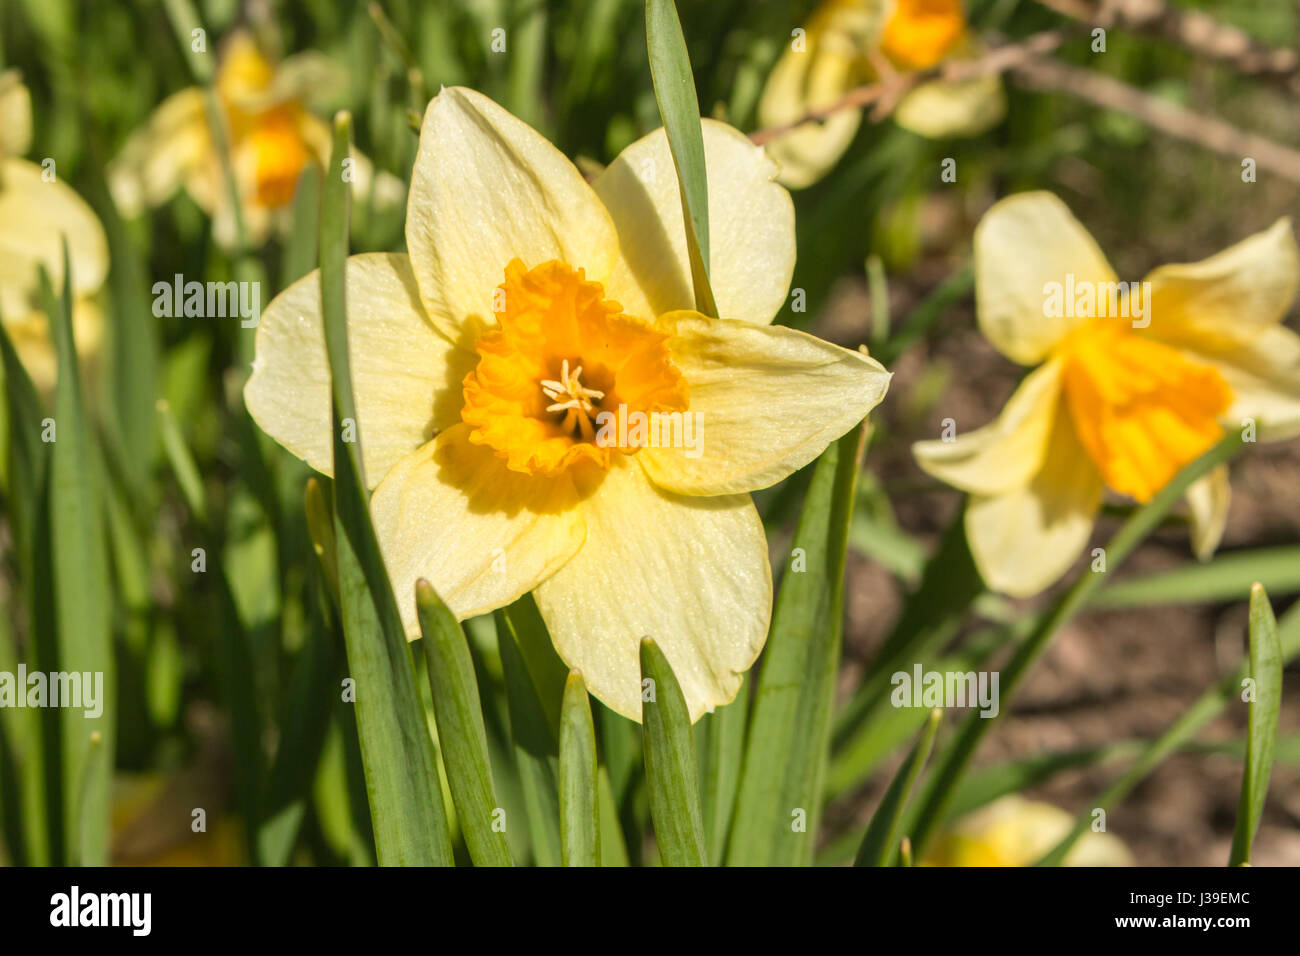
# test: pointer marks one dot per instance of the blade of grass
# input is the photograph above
(670, 764)
(1224, 578)
(579, 810)
(536, 745)
(1265, 664)
(670, 71)
(459, 713)
(304, 724)
(82, 605)
(524, 82)
(406, 808)
(884, 726)
(949, 585)
(789, 731)
(958, 754)
(723, 748)
(36, 736)
(1180, 733)
(882, 833)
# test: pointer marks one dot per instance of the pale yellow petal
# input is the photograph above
(1013, 831)
(35, 217)
(172, 148)
(691, 573)
(1022, 244)
(802, 82)
(1234, 293)
(1024, 538)
(15, 115)
(1006, 453)
(764, 401)
(482, 535)
(405, 376)
(751, 228)
(486, 188)
(943, 109)
(1208, 499)
(1264, 375)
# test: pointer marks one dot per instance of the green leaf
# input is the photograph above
(461, 733)
(304, 724)
(670, 764)
(721, 742)
(1224, 578)
(301, 246)
(670, 71)
(981, 787)
(320, 528)
(1261, 735)
(135, 346)
(524, 81)
(182, 462)
(884, 727)
(406, 808)
(535, 738)
(82, 605)
(579, 811)
(1206, 707)
(930, 618)
(882, 833)
(789, 730)
(956, 757)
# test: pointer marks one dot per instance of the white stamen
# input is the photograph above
(570, 396)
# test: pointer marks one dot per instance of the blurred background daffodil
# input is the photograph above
(37, 213)
(851, 43)
(1013, 831)
(271, 133)
(1120, 399)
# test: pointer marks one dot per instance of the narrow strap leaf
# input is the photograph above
(670, 763)
(579, 816)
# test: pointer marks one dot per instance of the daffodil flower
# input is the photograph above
(530, 303)
(38, 211)
(849, 43)
(1133, 381)
(271, 133)
(1013, 831)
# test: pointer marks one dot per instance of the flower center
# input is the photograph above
(1141, 408)
(922, 32)
(572, 398)
(560, 362)
(281, 154)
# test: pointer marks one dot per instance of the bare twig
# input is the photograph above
(1192, 30)
(1027, 62)
(890, 90)
(1162, 115)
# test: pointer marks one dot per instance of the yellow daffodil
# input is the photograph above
(271, 134)
(849, 43)
(1134, 381)
(1013, 831)
(531, 307)
(37, 212)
